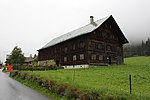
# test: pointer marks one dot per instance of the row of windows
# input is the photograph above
(75, 46)
(97, 57)
(93, 57)
(111, 48)
(81, 57)
(80, 45)
(105, 35)
(74, 57)
(101, 46)
(109, 36)
(101, 57)
(108, 26)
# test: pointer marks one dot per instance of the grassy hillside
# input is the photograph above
(108, 80)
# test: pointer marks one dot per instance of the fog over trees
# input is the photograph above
(138, 49)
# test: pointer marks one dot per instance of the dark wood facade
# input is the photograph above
(103, 46)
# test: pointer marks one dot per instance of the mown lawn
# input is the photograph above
(108, 80)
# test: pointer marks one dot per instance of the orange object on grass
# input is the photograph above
(9, 68)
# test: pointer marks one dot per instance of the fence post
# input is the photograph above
(130, 84)
(73, 73)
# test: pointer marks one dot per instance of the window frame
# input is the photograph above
(93, 56)
(65, 59)
(81, 56)
(74, 57)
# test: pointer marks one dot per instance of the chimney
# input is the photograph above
(91, 19)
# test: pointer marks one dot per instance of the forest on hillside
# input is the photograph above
(141, 49)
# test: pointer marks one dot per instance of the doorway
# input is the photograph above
(109, 60)
(57, 63)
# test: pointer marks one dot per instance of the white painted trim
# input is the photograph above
(76, 66)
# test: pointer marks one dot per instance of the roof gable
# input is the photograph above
(120, 34)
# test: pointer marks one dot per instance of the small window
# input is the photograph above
(108, 48)
(65, 59)
(99, 46)
(81, 56)
(104, 34)
(96, 46)
(74, 47)
(100, 57)
(93, 56)
(74, 57)
(93, 44)
(81, 44)
(65, 49)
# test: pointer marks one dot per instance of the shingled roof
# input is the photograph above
(80, 31)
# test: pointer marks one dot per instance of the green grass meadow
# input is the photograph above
(108, 80)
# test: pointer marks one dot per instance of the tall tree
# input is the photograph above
(16, 57)
(148, 47)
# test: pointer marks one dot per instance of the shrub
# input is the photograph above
(23, 76)
(32, 68)
(61, 89)
(34, 79)
(50, 63)
(72, 93)
(83, 96)
(43, 81)
(19, 74)
(29, 77)
(60, 67)
(52, 86)
(13, 73)
(38, 80)
(94, 96)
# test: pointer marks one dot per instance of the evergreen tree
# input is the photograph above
(142, 49)
(148, 47)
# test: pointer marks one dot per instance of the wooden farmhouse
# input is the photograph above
(98, 43)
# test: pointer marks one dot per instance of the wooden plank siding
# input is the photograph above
(102, 46)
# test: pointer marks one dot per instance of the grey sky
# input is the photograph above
(30, 24)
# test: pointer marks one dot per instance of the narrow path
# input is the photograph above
(13, 90)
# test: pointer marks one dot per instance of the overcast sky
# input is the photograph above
(30, 24)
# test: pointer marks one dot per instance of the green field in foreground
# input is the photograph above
(108, 80)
